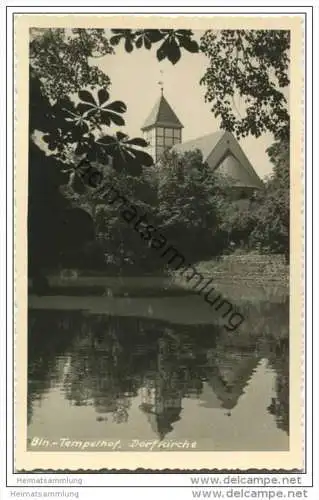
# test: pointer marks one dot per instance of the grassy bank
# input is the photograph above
(249, 277)
(249, 267)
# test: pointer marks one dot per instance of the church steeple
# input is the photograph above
(162, 129)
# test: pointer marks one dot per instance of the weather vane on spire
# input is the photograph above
(161, 82)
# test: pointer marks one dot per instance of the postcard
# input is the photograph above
(158, 242)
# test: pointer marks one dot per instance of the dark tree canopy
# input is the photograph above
(252, 66)
(189, 201)
(273, 215)
(60, 59)
(55, 229)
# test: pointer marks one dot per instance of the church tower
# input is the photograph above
(162, 129)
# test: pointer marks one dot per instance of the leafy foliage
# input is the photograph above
(123, 151)
(262, 222)
(252, 66)
(238, 221)
(60, 59)
(122, 246)
(103, 113)
(271, 232)
(79, 128)
(172, 41)
(59, 67)
(189, 201)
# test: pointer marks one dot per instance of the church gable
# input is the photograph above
(229, 159)
(223, 153)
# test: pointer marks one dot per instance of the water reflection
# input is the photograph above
(135, 370)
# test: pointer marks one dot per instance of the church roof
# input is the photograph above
(228, 378)
(162, 115)
(223, 153)
(205, 144)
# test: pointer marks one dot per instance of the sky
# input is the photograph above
(134, 79)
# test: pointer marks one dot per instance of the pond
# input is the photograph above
(121, 373)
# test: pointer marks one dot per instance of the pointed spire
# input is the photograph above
(162, 115)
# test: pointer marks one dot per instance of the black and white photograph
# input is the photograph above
(159, 244)
(158, 240)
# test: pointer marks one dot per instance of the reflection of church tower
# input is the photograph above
(162, 394)
(162, 129)
(162, 410)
